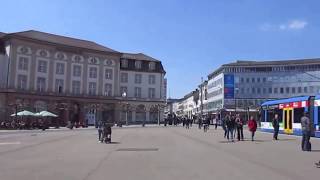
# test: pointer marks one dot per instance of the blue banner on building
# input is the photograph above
(229, 86)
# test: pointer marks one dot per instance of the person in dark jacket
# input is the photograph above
(230, 122)
(252, 124)
(239, 123)
(224, 126)
(275, 124)
(306, 127)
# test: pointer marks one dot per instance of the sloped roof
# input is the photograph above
(63, 40)
(138, 56)
(2, 34)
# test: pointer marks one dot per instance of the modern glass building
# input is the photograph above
(244, 85)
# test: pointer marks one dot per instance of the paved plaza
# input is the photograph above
(153, 153)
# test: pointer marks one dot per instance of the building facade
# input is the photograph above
(41, 71)
(243, 85)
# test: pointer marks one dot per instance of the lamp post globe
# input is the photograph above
(124, 95)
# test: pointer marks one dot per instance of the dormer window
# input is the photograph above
(124, 63)
(138, 64)
(152, 66)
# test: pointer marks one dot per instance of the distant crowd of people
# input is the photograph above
(24, 124)
(233, 125)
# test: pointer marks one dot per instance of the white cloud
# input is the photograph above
(291, 25)
(297, 24)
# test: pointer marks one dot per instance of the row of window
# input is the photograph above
(76, 87)
(277, 90)
(311, 67)
(137, 64)
(61, 69)
(215, 83)
(137, 78)
(253, 80)
(138, 90)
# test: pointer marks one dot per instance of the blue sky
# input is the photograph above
(190, 37)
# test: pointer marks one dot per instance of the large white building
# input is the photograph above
(42, 71)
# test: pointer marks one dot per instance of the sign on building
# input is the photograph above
(229, 86)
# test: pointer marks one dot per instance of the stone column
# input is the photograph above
(134, 116)
(147, 115)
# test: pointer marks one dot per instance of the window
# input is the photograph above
(299, 90)
(258, 80)
(248, 80)
(23, 63)
(92, 88)
(124, 77)
(108, 89)
(242, 90)
(298, 113)
(275, 90)
(77, 70)
(248, 90)
(270, 90)
(152, 66)
(258, 90)
(108, 73)
(76, 87)
(123, 89)
(152, 79)
(42, 66)
(242, 80)
(41, 84)
(152, 93)
(264, 79)
(137, 78)
(311, 89)
(59, 85)
(253, 90)
(93, 72)
(60, 68)
(253, 80)
(137, 64)
(124, 63)
(137, 92)
(281, 90)
(293, 90)
(264, 90)
(305, 89)
(22, 82)
(287, 90)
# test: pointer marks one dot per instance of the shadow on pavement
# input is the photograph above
(286, 139)
(115, 143)
(317, 150)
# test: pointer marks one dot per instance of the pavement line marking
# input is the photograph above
(10, 143)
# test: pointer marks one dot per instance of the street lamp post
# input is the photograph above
(124, 95)
(235, 99)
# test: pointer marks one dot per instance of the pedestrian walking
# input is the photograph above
(306, 127)
(100, 129)
(276, 125)
(215, 122)
(186, 120)
(239, 124)
(206, 124)
(230, 122)
(252, 124)
(199, 122)
(224, 126)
